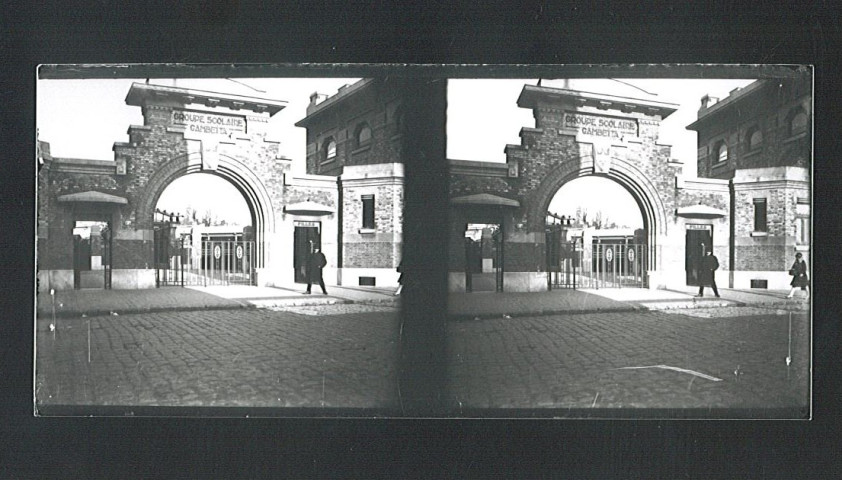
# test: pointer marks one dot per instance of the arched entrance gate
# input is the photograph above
(105, 211)
(576, 134)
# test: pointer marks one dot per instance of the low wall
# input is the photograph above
(384, 277)
(777, 280)
(132, 278)
(512, 282)
(121, 279)
(57, 279)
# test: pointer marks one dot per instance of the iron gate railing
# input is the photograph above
(227, 262)
(107, 254)
(597, 265)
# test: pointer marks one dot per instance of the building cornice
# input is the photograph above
(373, 182)
(316, 110)
(709, 114)
(484, 169)
(531, 96)
(706, 184)
(84, 166)
(310, 181)
(767, 184)
(149, 96)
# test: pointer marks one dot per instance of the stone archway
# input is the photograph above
(624, 173)
(576, 134)
(241, 176)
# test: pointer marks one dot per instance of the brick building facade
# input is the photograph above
(758, 139)
(356, 137)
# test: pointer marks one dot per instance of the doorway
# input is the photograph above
(697, 240)
(92, 254)
(307, 238)
(483, 257)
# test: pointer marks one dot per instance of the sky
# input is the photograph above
(83, 119)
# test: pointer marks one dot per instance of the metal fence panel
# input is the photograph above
(217, 262)
(597, 265)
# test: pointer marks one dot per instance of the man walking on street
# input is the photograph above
(315, 263)
(707, 273)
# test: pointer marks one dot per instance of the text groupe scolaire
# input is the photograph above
(205, 123)
(600, 126)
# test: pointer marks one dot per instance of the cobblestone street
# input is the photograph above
(726, 357)
(345, 357)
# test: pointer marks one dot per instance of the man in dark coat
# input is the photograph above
(799, 276)
(707, 273)
(315, 263)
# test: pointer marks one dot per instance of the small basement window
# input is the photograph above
(367, 281)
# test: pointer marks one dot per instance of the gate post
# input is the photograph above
(181, 261)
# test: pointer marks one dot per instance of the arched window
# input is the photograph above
(755, 138)
(363, 134)
(329, 150)
(797, 121)
(721, 152)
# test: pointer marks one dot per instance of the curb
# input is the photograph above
(108, 312)
(295, 302)
(460, 317)
(679, 305)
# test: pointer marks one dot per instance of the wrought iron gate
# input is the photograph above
(107, 257)
(596, 265)
(484, 258)
(214, 262)
(497, 237)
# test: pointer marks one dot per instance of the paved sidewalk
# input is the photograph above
(491, 304)
(75, 303)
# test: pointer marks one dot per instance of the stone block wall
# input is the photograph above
(379, 248)
(388, 208)
(370, 253)
(461, 185)
(774, 249)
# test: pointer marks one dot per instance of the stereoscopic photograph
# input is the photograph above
(620, 242)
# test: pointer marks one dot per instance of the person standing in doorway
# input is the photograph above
(707, 273)
(315, 264)
(799, 276)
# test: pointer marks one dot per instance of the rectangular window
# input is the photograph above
(802, 207)
(802, 221)
(760, 215)
(802, 231)
(368, 211)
